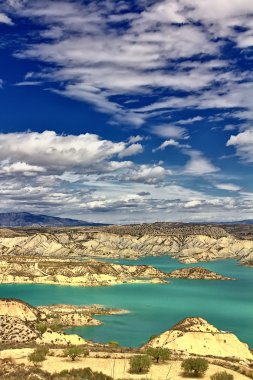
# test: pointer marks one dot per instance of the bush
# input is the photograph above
(41, 327)
(38, 356)
(81, 374)
(194, 367)
(140, 364)
(55, 327)
(75, 351)
(222, 376)
(113, 344)
(158, 353)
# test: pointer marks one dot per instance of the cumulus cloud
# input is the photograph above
(85, 153)
(21, 167)
(147, 174)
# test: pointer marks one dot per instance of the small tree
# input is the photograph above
(222, 376)
(38, 356)
(75, 351)
(140, 364)
(194, 367)
(158, 353)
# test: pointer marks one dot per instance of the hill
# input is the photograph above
(197, 336)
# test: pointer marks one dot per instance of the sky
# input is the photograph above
(127, 111)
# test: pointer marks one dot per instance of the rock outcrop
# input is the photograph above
(187, 243)
(197, 273)
(197, 336)
(23, 323)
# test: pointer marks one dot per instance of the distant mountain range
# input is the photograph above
(26, 219)
(246, 221)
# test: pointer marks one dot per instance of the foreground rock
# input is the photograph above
(197, 336)
(186, 242)
(86, 273)
(197, 273)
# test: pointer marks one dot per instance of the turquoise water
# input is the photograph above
(155, 308)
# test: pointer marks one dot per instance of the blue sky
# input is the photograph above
(122, 111)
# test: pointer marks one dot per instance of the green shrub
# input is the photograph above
(158, 353)
(75, 351)
(55, 327)
(41, 327)
(81, 374)
(38, 356)
(113, 344)
(140, 364)
(222, 376)
(194, 367)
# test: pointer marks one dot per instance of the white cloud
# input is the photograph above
(227, 186)
(190, 121)
(4, 19)
(59, 153)
(167, 143)
(147, 174)
(192, 204)
(22, 167)
(243, 143)
(131, 150)
(169, 131)
(198, 164)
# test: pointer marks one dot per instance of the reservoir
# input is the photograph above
(154, 308)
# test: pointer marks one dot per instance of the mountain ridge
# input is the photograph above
(26, 219)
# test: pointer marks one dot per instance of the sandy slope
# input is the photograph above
(117, 368)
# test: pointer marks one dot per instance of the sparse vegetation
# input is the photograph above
(113, 344)
(38, 355)
(9, 370)
(222, 376)
(158, 353)
(194, 367)
(140, 364)
(76, 351)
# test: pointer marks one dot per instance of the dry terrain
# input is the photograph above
(186, 242)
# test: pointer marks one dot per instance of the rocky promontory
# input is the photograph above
(79, 273)
(197, 273)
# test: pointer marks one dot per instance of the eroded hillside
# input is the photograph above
(186, 242)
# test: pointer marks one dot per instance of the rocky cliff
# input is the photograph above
(186, 243)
